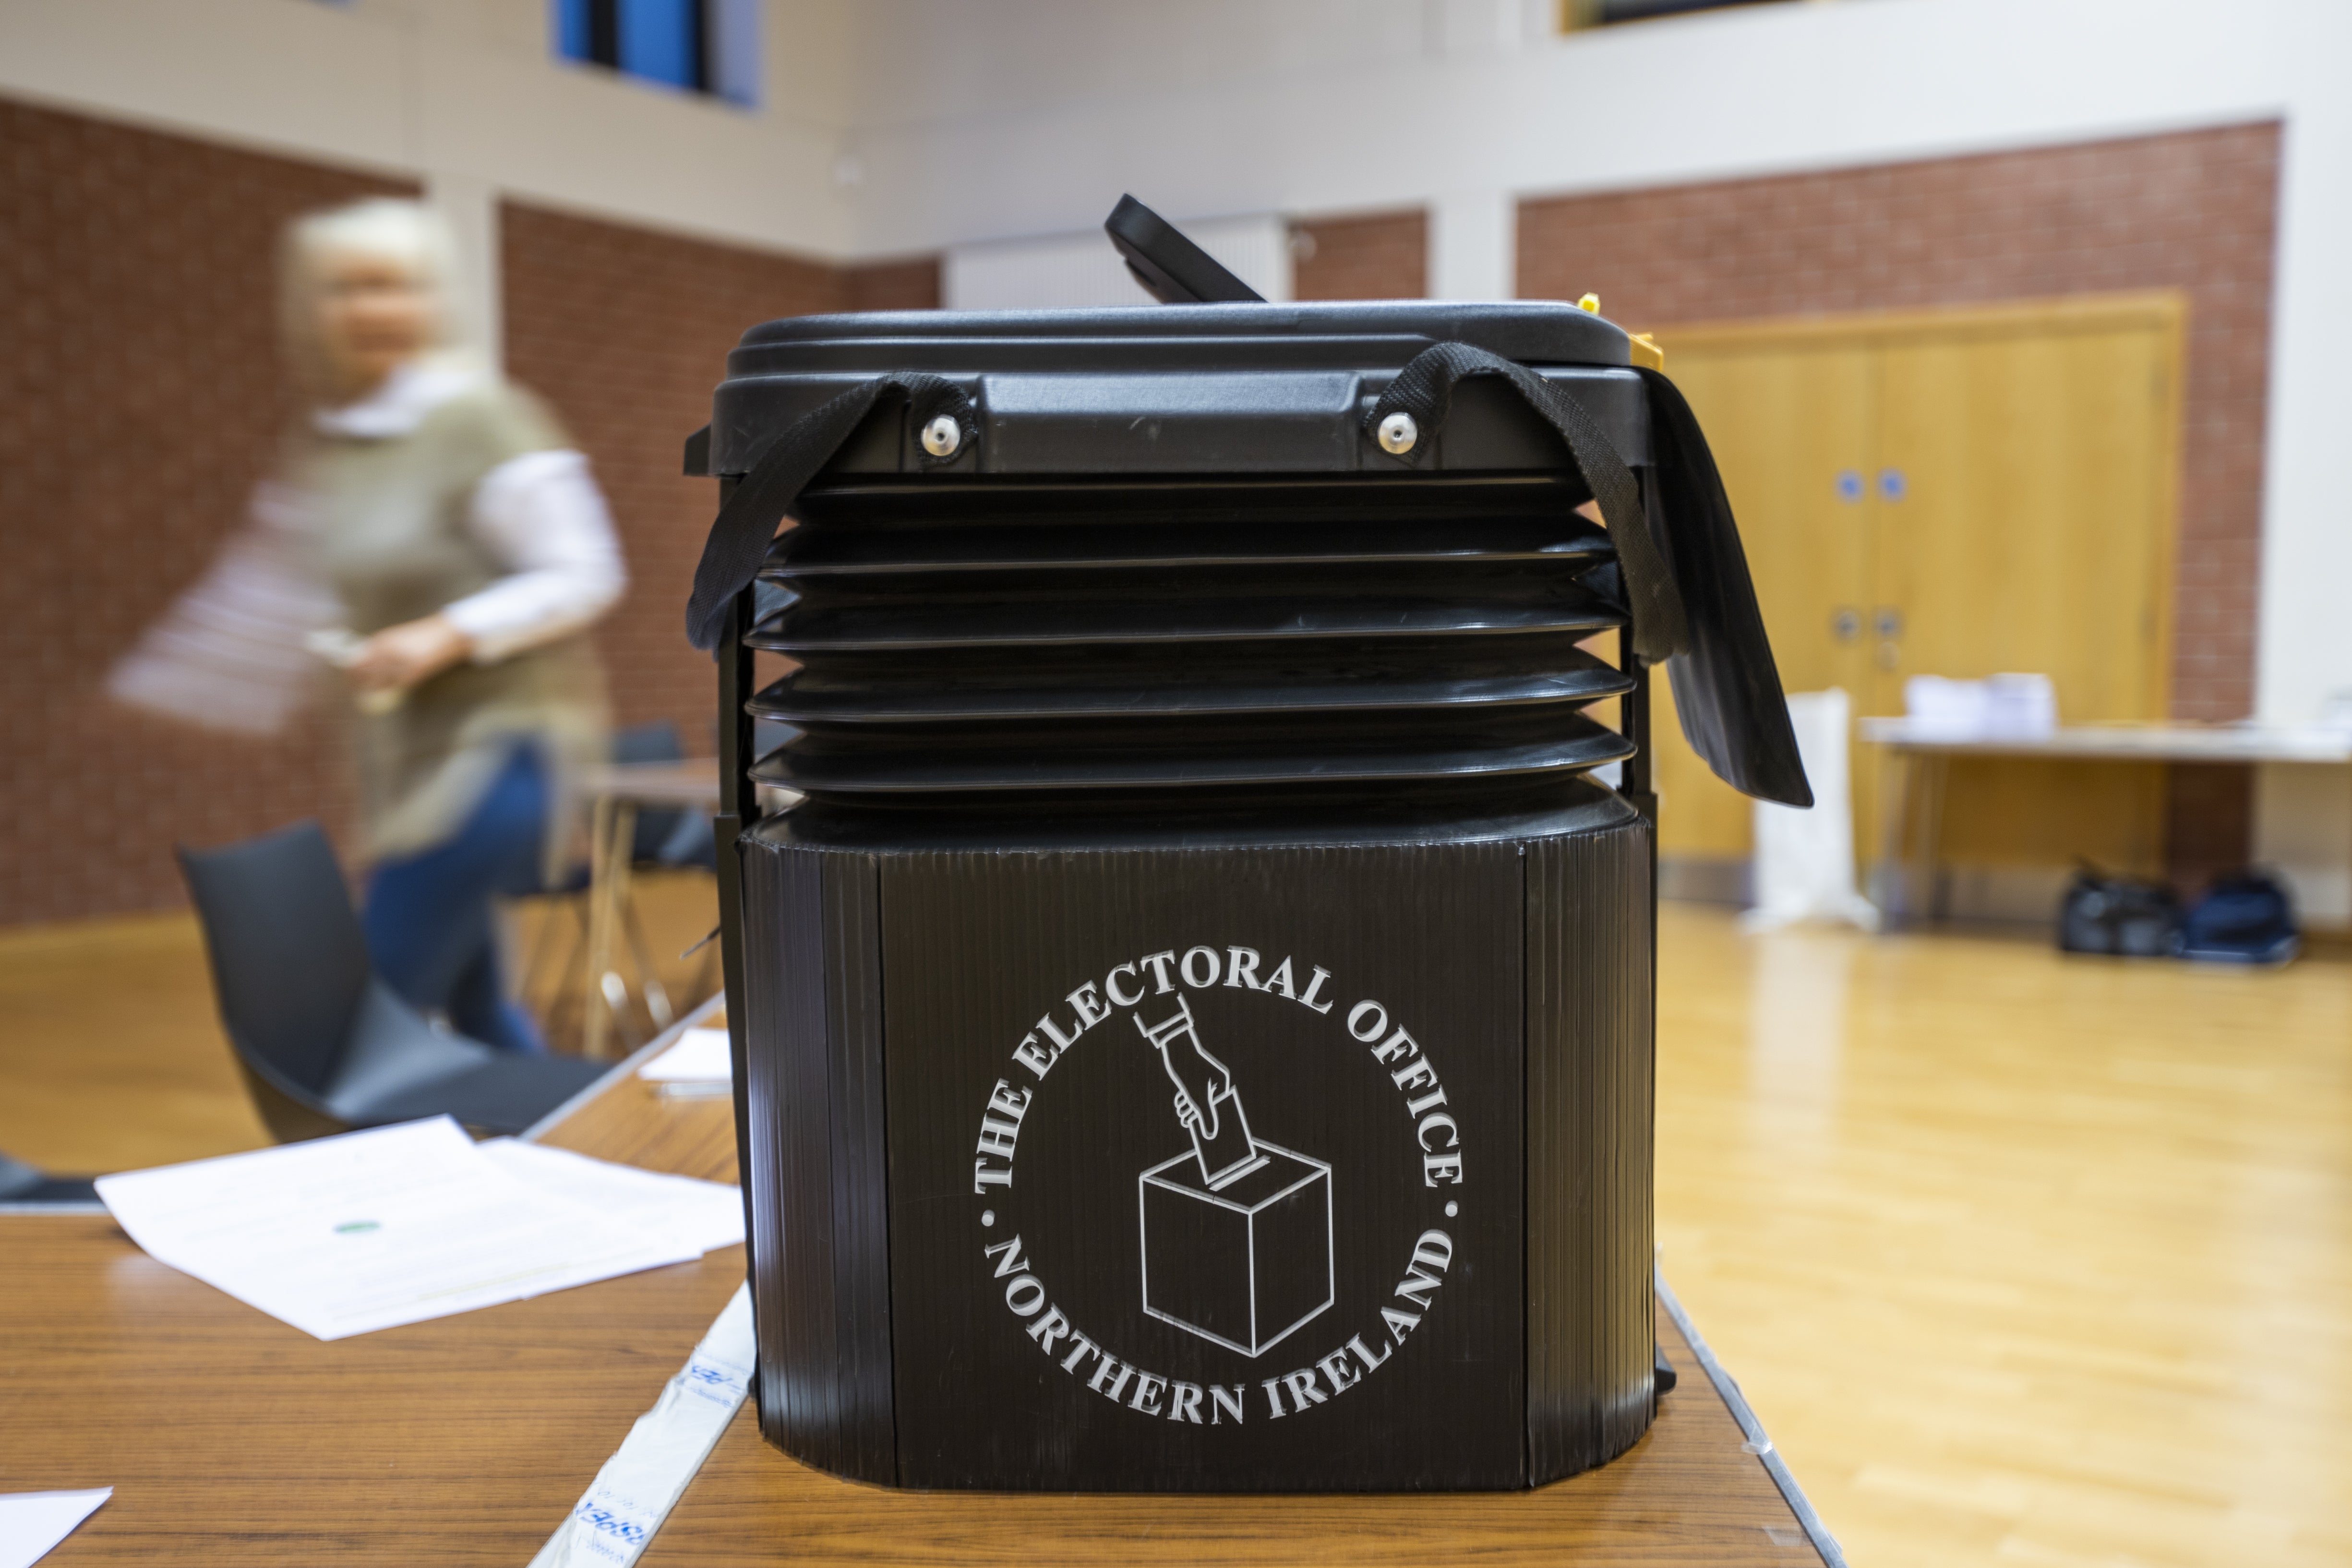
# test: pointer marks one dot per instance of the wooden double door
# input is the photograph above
(1957, 492)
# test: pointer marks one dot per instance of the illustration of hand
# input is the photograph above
(1220, 1088)
(1201, 1079)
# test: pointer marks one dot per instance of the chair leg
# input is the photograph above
(658, 1003)
(611, 833)
(560, 1015)
(619, 1018)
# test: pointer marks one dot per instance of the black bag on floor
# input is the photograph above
(2118, 916)
(2242, 919)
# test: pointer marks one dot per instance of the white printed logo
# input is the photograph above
(1239, 1232)
(1235, 1232)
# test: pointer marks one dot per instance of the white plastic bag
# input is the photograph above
(1804, 859)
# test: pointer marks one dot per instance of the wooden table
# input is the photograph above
(230, 1437)
(1920, 755)
(615, 791)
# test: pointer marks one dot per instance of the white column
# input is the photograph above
(2302, 815)
(470, 204)
(2305, 655)
(1472, 240)
(2303, 829)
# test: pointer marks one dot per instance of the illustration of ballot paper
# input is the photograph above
(1236, 1232)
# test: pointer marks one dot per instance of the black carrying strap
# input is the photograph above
(746, 525)
(1170, 266)
(1690, 595)
(1727, 688)
(1424, 389)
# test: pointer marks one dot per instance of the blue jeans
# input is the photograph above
(431, 928)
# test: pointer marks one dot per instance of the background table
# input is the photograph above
(230, 1437)
(1920, 756)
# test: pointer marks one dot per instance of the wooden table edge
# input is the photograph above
(1727, 1388)
(618, 1073)
(1756, 1444)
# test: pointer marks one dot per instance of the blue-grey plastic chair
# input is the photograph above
(325, 1045)
(27, 1186)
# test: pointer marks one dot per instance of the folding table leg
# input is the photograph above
(1897, 768)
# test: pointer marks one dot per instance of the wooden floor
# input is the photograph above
(2021, 1258)
(112, 1056)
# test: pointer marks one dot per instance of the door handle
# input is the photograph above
(1887, 622)
(1846, 624)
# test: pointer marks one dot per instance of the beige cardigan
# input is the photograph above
(393, 540)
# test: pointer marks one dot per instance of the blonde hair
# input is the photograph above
(385, 228)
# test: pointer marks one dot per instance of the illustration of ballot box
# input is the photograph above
(1179, 707)
(1246, 1263)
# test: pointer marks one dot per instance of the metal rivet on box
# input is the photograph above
(942, 436)
(1398, 433)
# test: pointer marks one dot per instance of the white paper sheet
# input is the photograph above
(699, 1057)
(638, 1486)
(346, 1235)
(699, 1214)
(32, 1522)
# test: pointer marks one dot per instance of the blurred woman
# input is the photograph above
(433, 533)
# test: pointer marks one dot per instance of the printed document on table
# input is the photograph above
(701, 1056)
(343, 1236)
(702, 1214)
(32, 1522)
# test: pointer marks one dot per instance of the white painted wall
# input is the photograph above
(1056, 272)
(465, 95)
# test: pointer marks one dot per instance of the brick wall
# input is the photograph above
(907, 284)
(139, 398)
(1370, 256)
(2194, 211)
(626, 331)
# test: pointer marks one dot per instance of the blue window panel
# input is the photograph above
(661, 41)
(694, 46)
(571, 18)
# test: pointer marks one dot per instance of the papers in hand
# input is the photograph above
(701, 1056)
(396, 1225)
(32, 1522)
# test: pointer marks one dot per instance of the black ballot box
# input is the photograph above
(1191, 972)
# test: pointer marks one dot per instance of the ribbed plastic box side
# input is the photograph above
(818, 1182)
(1591, 1109)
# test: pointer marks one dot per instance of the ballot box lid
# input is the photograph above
(1257, 334)
(1245, 388)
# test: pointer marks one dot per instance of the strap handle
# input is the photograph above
(1686, 575)
(746, 525)
(1728, 690)
(1170, 266)
(1424, 390)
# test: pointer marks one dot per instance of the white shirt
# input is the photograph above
(540, 515)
